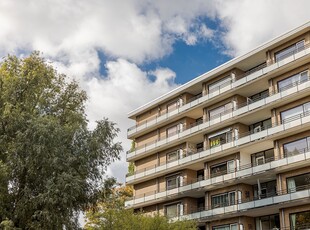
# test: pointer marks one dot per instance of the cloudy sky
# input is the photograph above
(127, 52)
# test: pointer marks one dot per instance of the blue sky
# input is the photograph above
(126, 53)
(189, 61)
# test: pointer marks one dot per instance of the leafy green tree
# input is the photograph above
(51, 164)
(110, 213)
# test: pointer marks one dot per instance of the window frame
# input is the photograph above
(226, 107)
(220, 227)
(177, 204)
(228, 199)
(307, 138)
(294, 46)
(294, 83)
(303, 112)
(216, 85)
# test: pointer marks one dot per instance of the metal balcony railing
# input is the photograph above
(220, 117)
(220, 177)
(194, 101)
(274, 198)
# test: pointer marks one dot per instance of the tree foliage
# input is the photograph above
(110, 213)
(50, 162)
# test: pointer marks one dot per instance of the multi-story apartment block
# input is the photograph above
(231, 148)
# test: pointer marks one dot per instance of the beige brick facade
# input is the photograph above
(190, 186)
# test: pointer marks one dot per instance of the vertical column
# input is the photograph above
(207, 205)
(271, 87)
(269, 60)
(205, 142)
(206, 171)
(205, 115)
(277, 153)
(274, 118)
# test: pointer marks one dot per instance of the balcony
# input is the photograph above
(227, 86)
(244, 171)
(281, 196)
(242, 110)
(244, 138)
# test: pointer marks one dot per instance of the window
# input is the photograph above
(262, 157)
(174, 182)
(173, 156)
(292, 81)
(295, 113)
(174, 130)
(214, 113)
(224, 199)
(299, 182)
(201, 203)
(259, 96)
(172, 106)
(263, 190)
(220, 138)
(226, 227)
(199, 147)
(295, 147)
(268, 222)
(259, 126)
(199, 120)
(200, 175)
(300, 220)
(174, 210)
(288, 51)
(218, 84)
(223, 168)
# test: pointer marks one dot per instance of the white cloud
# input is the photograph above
(125, 87)
(251, 23)
(71, 33)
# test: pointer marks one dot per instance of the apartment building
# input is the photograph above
(231, 148)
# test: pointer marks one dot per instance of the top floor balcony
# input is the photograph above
(250, 106)
(225, 87)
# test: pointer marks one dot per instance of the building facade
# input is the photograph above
(231, 148)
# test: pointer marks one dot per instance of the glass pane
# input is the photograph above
(218, 170)
(293, 148)
(216, 112)
(217, 85)
(172, 211)
(301, 181)
(218, 140)
(260, 160)
(171, 131)
(285, 53)
(172, 156)
(232, 198)
(289, 82)
(307, 108)
(303, 76)
(291, 114)
(300, 220)
(230, 166)
(303, 220)
(267, 124)
(172, 106)
(300, 45)
(269, 155)
(171, 182)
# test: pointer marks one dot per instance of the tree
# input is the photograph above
(110, 213)
(50, 162)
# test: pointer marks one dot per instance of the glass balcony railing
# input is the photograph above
(230, 85)
(243, 171)
(239, 110)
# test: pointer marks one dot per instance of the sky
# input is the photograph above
(125, 53)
